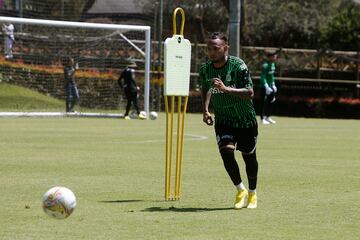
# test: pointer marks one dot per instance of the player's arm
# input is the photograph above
(264, 80)
(120, 80)
(264, 70)
(207, 118)
(206, 97)
(243, 84)
(247, 93)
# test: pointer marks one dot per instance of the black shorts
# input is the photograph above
(243, 138)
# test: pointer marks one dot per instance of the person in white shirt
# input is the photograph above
(9, 39)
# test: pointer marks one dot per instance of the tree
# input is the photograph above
(343, 32)
(294, 23)
(202, 16)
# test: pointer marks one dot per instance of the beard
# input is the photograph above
(221, 59)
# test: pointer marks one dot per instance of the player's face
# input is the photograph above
(217, 50)
(273, 58)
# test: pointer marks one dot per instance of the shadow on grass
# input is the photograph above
(175, 209)
(121, 201)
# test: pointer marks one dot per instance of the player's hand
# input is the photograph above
(217, 83)
(274, 88)
(268, 90)
(207, 118)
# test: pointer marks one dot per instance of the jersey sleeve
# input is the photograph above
(264, 72)
(245, 79)
(204, 84)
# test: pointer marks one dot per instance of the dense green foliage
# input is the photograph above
(343, 32)
(277, 23)
(294, 23)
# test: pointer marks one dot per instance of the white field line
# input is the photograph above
(60, 114)
(187, 137)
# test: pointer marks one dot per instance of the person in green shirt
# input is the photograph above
(268, 88)
(227, 85)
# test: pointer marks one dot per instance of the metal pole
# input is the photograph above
(160, 27)
(234, 27)
(21, 8)
(62, 9)
(147, 70)
(358, 76)
(21, 14)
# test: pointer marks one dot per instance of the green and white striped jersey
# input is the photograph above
(229, 110)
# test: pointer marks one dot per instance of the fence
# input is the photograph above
(301, 73)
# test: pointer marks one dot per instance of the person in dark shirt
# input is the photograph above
(131, 89)
(71, 90)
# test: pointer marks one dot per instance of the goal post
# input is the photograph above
(95, 39)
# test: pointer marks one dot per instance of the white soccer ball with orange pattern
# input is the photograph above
(59, 202)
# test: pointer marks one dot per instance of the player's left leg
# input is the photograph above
(247, 145)
(252, 172)
(135, 102)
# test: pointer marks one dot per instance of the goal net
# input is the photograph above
(101, 52)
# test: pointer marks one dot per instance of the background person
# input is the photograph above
(9, 39)
(226, 82)
(71, 90)
(128, 83)
(268, 88)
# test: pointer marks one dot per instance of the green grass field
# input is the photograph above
(19, 99)
(309, 181)
(16, 98)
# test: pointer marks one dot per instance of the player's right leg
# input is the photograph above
(226, 144)
(270, 99)
(263, 103)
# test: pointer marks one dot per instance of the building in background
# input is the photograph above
(119, 11)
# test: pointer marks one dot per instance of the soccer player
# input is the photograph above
(131, 89)
(71, 90)
(9, 39)
(268, 88)
(227, 84)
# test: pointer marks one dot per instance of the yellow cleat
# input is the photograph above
(252, 200)
(241, 199)
(127, 118)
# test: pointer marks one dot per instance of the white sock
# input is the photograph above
(240, 186)
(252, 191)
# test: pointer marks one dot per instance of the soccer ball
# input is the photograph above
(153, 115)
(59, 202)
(142, 115)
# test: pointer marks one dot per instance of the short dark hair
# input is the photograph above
(218, 35)
(67, 60)
(271, 53)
